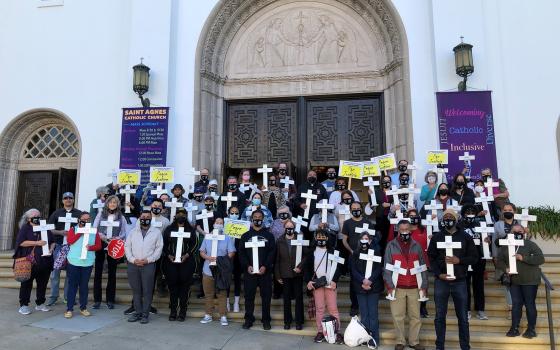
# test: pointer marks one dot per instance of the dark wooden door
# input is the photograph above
(66, 183)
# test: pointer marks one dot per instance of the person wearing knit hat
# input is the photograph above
(464, 254)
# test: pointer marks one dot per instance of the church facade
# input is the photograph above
(252, 82)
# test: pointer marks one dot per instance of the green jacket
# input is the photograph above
(529, 271)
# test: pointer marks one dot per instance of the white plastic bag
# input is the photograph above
(330, 326)
(355, 334)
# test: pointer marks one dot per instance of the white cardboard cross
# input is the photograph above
(335, 259)
(365, 228)
(204, 215)
(370, 257)
(299, 243)
(229, 198)
(109, 224)
(397, 270)
(324, 206)
(265, 170)
(127, 191)
(398, 217)
(173, 204)
(180, 234)
(255, 244)
(429, 223)
(512, 243)
(417, 270)
(308, 197)
(484, 199)
(411, 191)
(466, 158)
(484, 231)
(67, 220)
(190, 209)
(434, 207)
(449, 245)
(524, 217)
(215, 236)
(43, 228)
(86, 231)
(287, 182)
(158, 191)
(490, 184)
(413, 168)
(371, 185)
(299, 222)
(99, 205)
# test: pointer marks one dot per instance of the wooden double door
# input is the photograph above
(304, 132)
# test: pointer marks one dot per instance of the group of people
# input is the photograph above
(300, 241)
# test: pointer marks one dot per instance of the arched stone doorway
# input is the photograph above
(283, 48)
(39, 159)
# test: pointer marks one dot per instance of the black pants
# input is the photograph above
(293, 289)
(344, 268)
(353, 297)
(237, 272)
(475, 279)
(100, 257)
(251, 282)
(523, 295)
(179, 279)
(41, 275)
(278, 289)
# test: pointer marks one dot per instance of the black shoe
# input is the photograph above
(339, 339)
(266, 326)
(96, 305)
(182, 315)
(153, 310)
(129, 311)
(287, 326)
(173, 315)
(513, 332)
(247, 325)
(134, 317)
(423, 310)
(319, 338)
(277, 296)
(110, 306)
(200, 296)
(144, 319)
(299, 327)
(530, 333)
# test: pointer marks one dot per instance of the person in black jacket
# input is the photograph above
(261, 278)
(445, 285)
(460, 192)
(316, 268)
(179, 275)
(367, 289)
(232, 187)
(300, 203)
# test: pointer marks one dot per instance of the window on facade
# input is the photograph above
(52, 141)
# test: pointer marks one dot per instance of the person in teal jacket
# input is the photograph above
(429, 189)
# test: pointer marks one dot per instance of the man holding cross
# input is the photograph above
(84, 242)
(62, 219)
(306, 201)
(257, 252)
(451, 251)
(407, 251)
(232, 197)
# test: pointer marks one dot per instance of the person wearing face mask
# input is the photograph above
(500, 193)
(160, 222)
(442, 197)
(316, 188)
(204, 182)
(335, 197)
(208, 206)
(478, 190)
(460, 192)
(112, 209)
(329, 183)
(28, 242)
(351, 242)
(315, 268)
(233, 188)
(402, 167)
(261, 278)
(246, 186)
(407, 251)
(284, 215)
(233, 214)
(290, 276)
(178, 191)
(524, 284)
(331, 224)
(273, 198)
(367, 289)
(403, 204)
(475, 278)
(256, 204)
(142, 248)
(212, 189)
(383, 210)
(291, 190)
(78, 270)
(443, 286)
(165, 198)
(211, 279)
(101, 194)
(429, 189)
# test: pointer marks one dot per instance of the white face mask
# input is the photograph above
(479, 189)
(219, 227)
(431, 179)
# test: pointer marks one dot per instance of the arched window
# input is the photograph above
(52, 141)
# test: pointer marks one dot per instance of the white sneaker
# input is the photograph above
(223, 321)
(481, 315)
(24, 310)
(206, 319)
(42, 307)
(468, 315)
(236, 307)
(228, 307)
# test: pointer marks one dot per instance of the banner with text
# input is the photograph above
(144, 139)
(466, 125)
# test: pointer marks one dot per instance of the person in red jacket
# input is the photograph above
(406, 251)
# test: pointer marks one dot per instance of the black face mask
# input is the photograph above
(485, 177)
(289, 232)
(111, 211)
(403, 168)
(283, 216)
(508, 215)
(356, 213)
(443, 192)
(209, 207)
(282, 171)
(181, 219)
(460, 184)
(518, 235)
(403, 197)
(448, 223)
(341, 187)
(36, 221)
(82, 223)
(212, 189)
(257, 222)
(311, 179)
(415, 220)
(321, 243)
(364, 246)
(404, 181)
(198, 198)
(405, 237)
(232, 187)
(272, 183)
(469, 220)
(204, 177)
(386, 184)
(156, 211)
(347, 201)
(331, 176)
(145, 222)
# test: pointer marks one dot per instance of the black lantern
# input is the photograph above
(463, 62)
(141, 81)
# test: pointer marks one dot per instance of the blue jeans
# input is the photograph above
(78, 278)
(523, 295)
(458, 291)
(368, 303)
(55, 278)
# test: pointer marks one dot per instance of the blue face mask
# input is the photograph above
(256, 201)
(234, 216)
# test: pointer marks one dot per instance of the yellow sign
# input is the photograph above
(128, 177)
(162, 175)
(352, 170)
(371, 168)
(386, 162)
(437, 157)
(236, 228)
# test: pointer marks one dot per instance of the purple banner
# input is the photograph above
(144, 139)
(466, 124)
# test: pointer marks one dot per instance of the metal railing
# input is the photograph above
(548, 287)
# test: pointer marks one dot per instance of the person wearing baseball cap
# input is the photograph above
(178, 191)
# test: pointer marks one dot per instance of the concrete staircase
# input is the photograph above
(488, 334)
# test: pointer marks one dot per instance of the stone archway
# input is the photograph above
(22, 149)
(246, 51)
